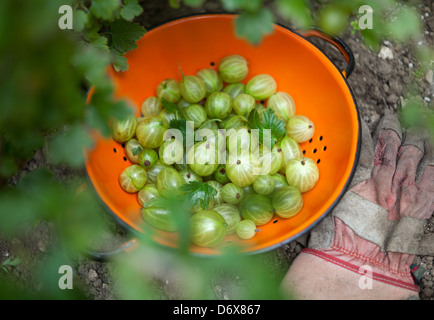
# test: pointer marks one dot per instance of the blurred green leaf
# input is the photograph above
(254, 26)
(93, 63)
(333, 19)
(131, 10)
(405, 24)
(104, 9)
(295, 11)
(80, 19)
(67, 147)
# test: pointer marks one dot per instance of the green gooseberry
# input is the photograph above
(133, 178)
(147, 158)
(235, 89)
(124, 129)
(211, 79)
(132, 150)
(261, 87)
(150, 132)
(218, 105)
(151, 106)
(233, 68)
(193, 89)
(170, 90)
(243, 104)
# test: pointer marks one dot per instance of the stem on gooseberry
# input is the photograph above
(180, 69)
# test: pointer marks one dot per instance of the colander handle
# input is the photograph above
(108, 255)
(338, 43)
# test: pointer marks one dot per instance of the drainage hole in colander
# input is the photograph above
(304, 152)
(310, 141)
(212, 64)
(114, 150)
(325, 148)
(320, 138)
(314, 150)
(275, 221)
(318, 161)
(125, 158)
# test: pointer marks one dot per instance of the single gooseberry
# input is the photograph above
(150, 132)
(124, 129)
(211, 79)
(245, 229)
(232, 194)
(132, 150)
(193, 89)
(133, 178)
(170, 90)
(218, 105)
(243, 104)
(207, 228)
(282, 104)
(233, 68)
(231, 214)
(302, 173)
(287, 202)
(261, 87)
(148, 157)
(151, 106)
(300, 128)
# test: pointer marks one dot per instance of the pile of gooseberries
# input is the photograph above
(245, 196)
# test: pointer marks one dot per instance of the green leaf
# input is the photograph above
(169, 106)
(80, 20)
(100, 43)
(120, 63)
(198, 193)
(131, 10)
(137, 150)
(93, 63)
(269, 122)
(125, 34)
(253, 26)
(104, 9)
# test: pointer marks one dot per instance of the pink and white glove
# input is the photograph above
(364, 248)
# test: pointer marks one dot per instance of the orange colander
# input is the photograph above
(319, 89)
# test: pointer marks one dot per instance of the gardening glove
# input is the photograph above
(365, 247)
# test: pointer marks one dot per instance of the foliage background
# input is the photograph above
(45, 73)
